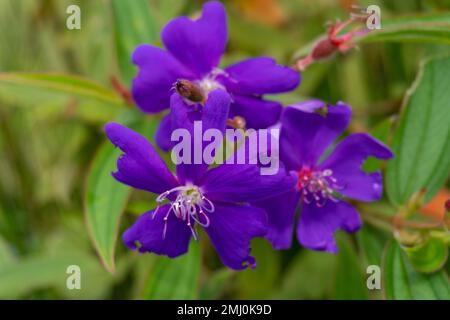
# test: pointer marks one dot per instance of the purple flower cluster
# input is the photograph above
(234, 203)
(194, 49)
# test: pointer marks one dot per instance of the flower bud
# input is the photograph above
(189, 91)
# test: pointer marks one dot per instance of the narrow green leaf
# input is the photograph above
(6, 255)
(371, 243)
(216, 284)
(134, 26)
(433, 28)
(381, 132)
(105, 201)
(421, 143)
(172, 279)
(350, 282)
(259, 283)
(309, 276)
(38, 272)
(402, 282)
(62, 83)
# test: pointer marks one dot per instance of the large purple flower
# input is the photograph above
(193, 52)
(216, 199)
(308, 129)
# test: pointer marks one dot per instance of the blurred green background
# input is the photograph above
(59, 205)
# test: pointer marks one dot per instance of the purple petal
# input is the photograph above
(346, 161)
(148, 232)
(140, 166)
(158, 71)
(213, 115)
(257, 112)
(306, 134)
(163, 133)
(231, 230)
(259, 76)
(281, 213)
(317, 225)
(244, 183)
(198, 44)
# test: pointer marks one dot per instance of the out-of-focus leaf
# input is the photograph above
(48, 103)
(164, 10)
(177, 278)
(63, 83)
(134, 25)
(309, 276)
(258, 283)
(215, 284)
(421, 143)
(253, 38)
(429, 256)
(421, 28)
(371, 243)
(139, 207)
(43, 271)
(402, 282)
(6, 255)
(381, 132)
(142, 265)
(105, 201)
(350, 282)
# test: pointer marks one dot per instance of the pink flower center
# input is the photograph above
(317, 186)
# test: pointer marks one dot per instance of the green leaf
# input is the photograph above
(105, 201)
(350, 282)
(62, 83)
(433, 28)
(258, 283)
(309, 276)
(402, 282)
(172, 279)
(429, 256)
(38, 272)
(371, 243)
(216, 284)
(381, 132)
(6, 255)
(134, 26)
(421, 143)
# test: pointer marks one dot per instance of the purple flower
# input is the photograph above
(194, 49)
(308, 130)
(216, 199)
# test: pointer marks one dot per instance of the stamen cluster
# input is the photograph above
(189, 204)
(317, 186)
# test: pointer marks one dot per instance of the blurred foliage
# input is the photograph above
(56, 193)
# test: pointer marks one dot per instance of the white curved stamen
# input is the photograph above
(189, 204)
(209, 82)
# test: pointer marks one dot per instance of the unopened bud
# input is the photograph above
(325, 48)
(237, 122)
(190, 91)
